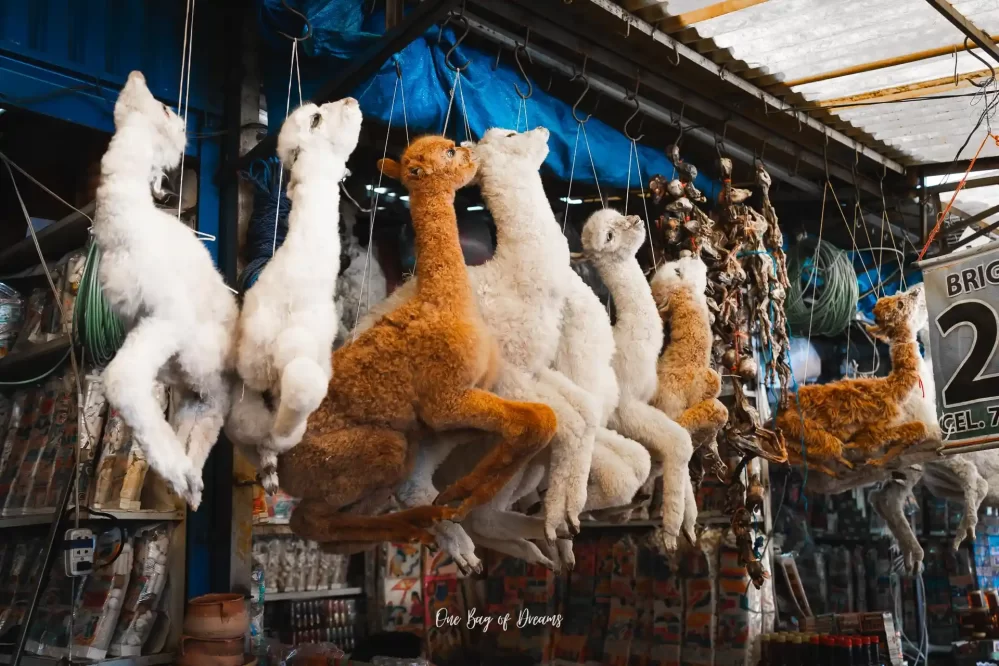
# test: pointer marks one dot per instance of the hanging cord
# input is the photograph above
(292, 69)
(960, 184)
(886, 224)
(645, 205)
(580, 121)
(184, 94)
(374, 208)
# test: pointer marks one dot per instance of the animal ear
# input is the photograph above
(390, 168)
(634, 219)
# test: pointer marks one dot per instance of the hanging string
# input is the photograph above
(292, 69)
(184, 93)
(886, 223)
(593, 166)
(374, 209)
(464, 112)
(450, 102)
(572, 171)
(645, 203)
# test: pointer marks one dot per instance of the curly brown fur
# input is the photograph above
(828, 415)
(423, 365)
(688, 386)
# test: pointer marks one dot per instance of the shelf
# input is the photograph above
(35, 360)
(313, 594)
(46, 517)
(271, 529)
(147, 660)
(57, 239)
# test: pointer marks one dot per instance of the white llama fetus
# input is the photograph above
(161, 280)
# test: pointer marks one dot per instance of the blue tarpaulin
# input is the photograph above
(487, 94)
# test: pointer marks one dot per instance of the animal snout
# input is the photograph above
(350, 101)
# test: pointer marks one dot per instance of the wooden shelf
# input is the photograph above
(313, 594)
(57, 239)
(146, 660)
(46, 517)
(35, 360)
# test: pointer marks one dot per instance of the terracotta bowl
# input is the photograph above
(207, 652)
(217, 616)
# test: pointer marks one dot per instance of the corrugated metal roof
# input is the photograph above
(792, 40)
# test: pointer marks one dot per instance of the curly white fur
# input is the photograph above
(355, 291)
(289, 319)
(522, 294)
(610, 241)
(161, 280)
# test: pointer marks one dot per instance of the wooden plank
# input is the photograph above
(705, 13)
(884, 63)
(907, 91)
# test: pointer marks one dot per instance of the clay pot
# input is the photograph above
(205, 652)
(217, 616)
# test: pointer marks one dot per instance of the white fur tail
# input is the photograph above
(268, 471)
(303, 387)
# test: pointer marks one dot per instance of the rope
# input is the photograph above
(960, 184)
(185, 98)
(827, 301)
(572, 171)
(645, 203)
(287, 111)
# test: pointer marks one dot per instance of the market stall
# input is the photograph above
(304, 360)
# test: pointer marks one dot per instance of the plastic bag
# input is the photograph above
(100, 605)
(148, 578)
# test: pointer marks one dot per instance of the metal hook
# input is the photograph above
(499, 52)
(676, 52)
(633, 97)
(679, 124)
(763, 150)
(516, 56)
(575, 106)
(305, 20)
(460, 18)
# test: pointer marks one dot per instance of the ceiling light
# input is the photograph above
(474, 208)
(381, 190)
(404, 197)
(571, 201)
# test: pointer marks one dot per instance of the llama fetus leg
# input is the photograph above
(689, 511)
(317, 521)
(903, 436)
(129, 380)
(795, 458)
(670, 445)
(360, 459)
(571, 452)
(303, 383)
(820, 444)
(974, 488)
(704, 419)
(526, 428)
(520, 548)
(889, 501)
(619, 468)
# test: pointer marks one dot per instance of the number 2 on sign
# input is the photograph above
(969, 384)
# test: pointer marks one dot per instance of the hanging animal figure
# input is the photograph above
(522, 294)
(424, 365)
(610, 241)
(865, 410)
(688, 386)
(160, 279)
(289, 318)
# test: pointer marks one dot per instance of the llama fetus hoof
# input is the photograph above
(573, 524)
(565, 554)
(667, 542)
(688, 536)
(844, 462)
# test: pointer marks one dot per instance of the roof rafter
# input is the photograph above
(907, 91)
(970, 30)
(681, 21)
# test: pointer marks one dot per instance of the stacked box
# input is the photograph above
(699, 618)
(643, 638)
(578, 613)
(404, 608)
(669, 602)
(95, 408)
(737, 597)
(623, 611)
(601, 601)
(21, 414)
(55, 461)
(840, 581)
(936, 516)
(53, 393)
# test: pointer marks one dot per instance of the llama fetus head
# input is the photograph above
(162, 131)
(900, 316)
(432, 163)
(505, 152)
(609, 236)
(688, 275)
(335, 126)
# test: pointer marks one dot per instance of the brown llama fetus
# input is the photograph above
(862, 409)
(424, 365)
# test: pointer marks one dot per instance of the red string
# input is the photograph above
(921, 387)
(943, 215)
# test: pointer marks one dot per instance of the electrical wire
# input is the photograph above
(96, 327)
(826, 303)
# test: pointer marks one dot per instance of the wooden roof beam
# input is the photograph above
(722, 8)
(898, 93)
(884, 63)
(970, 30)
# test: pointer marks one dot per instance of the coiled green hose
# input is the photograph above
(825, 273)
(95, 325)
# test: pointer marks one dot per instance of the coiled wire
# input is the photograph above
(822, 297)
(95, 325)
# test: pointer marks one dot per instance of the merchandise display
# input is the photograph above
(367, 345)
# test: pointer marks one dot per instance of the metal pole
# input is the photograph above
(649, 108)
(970, 30)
